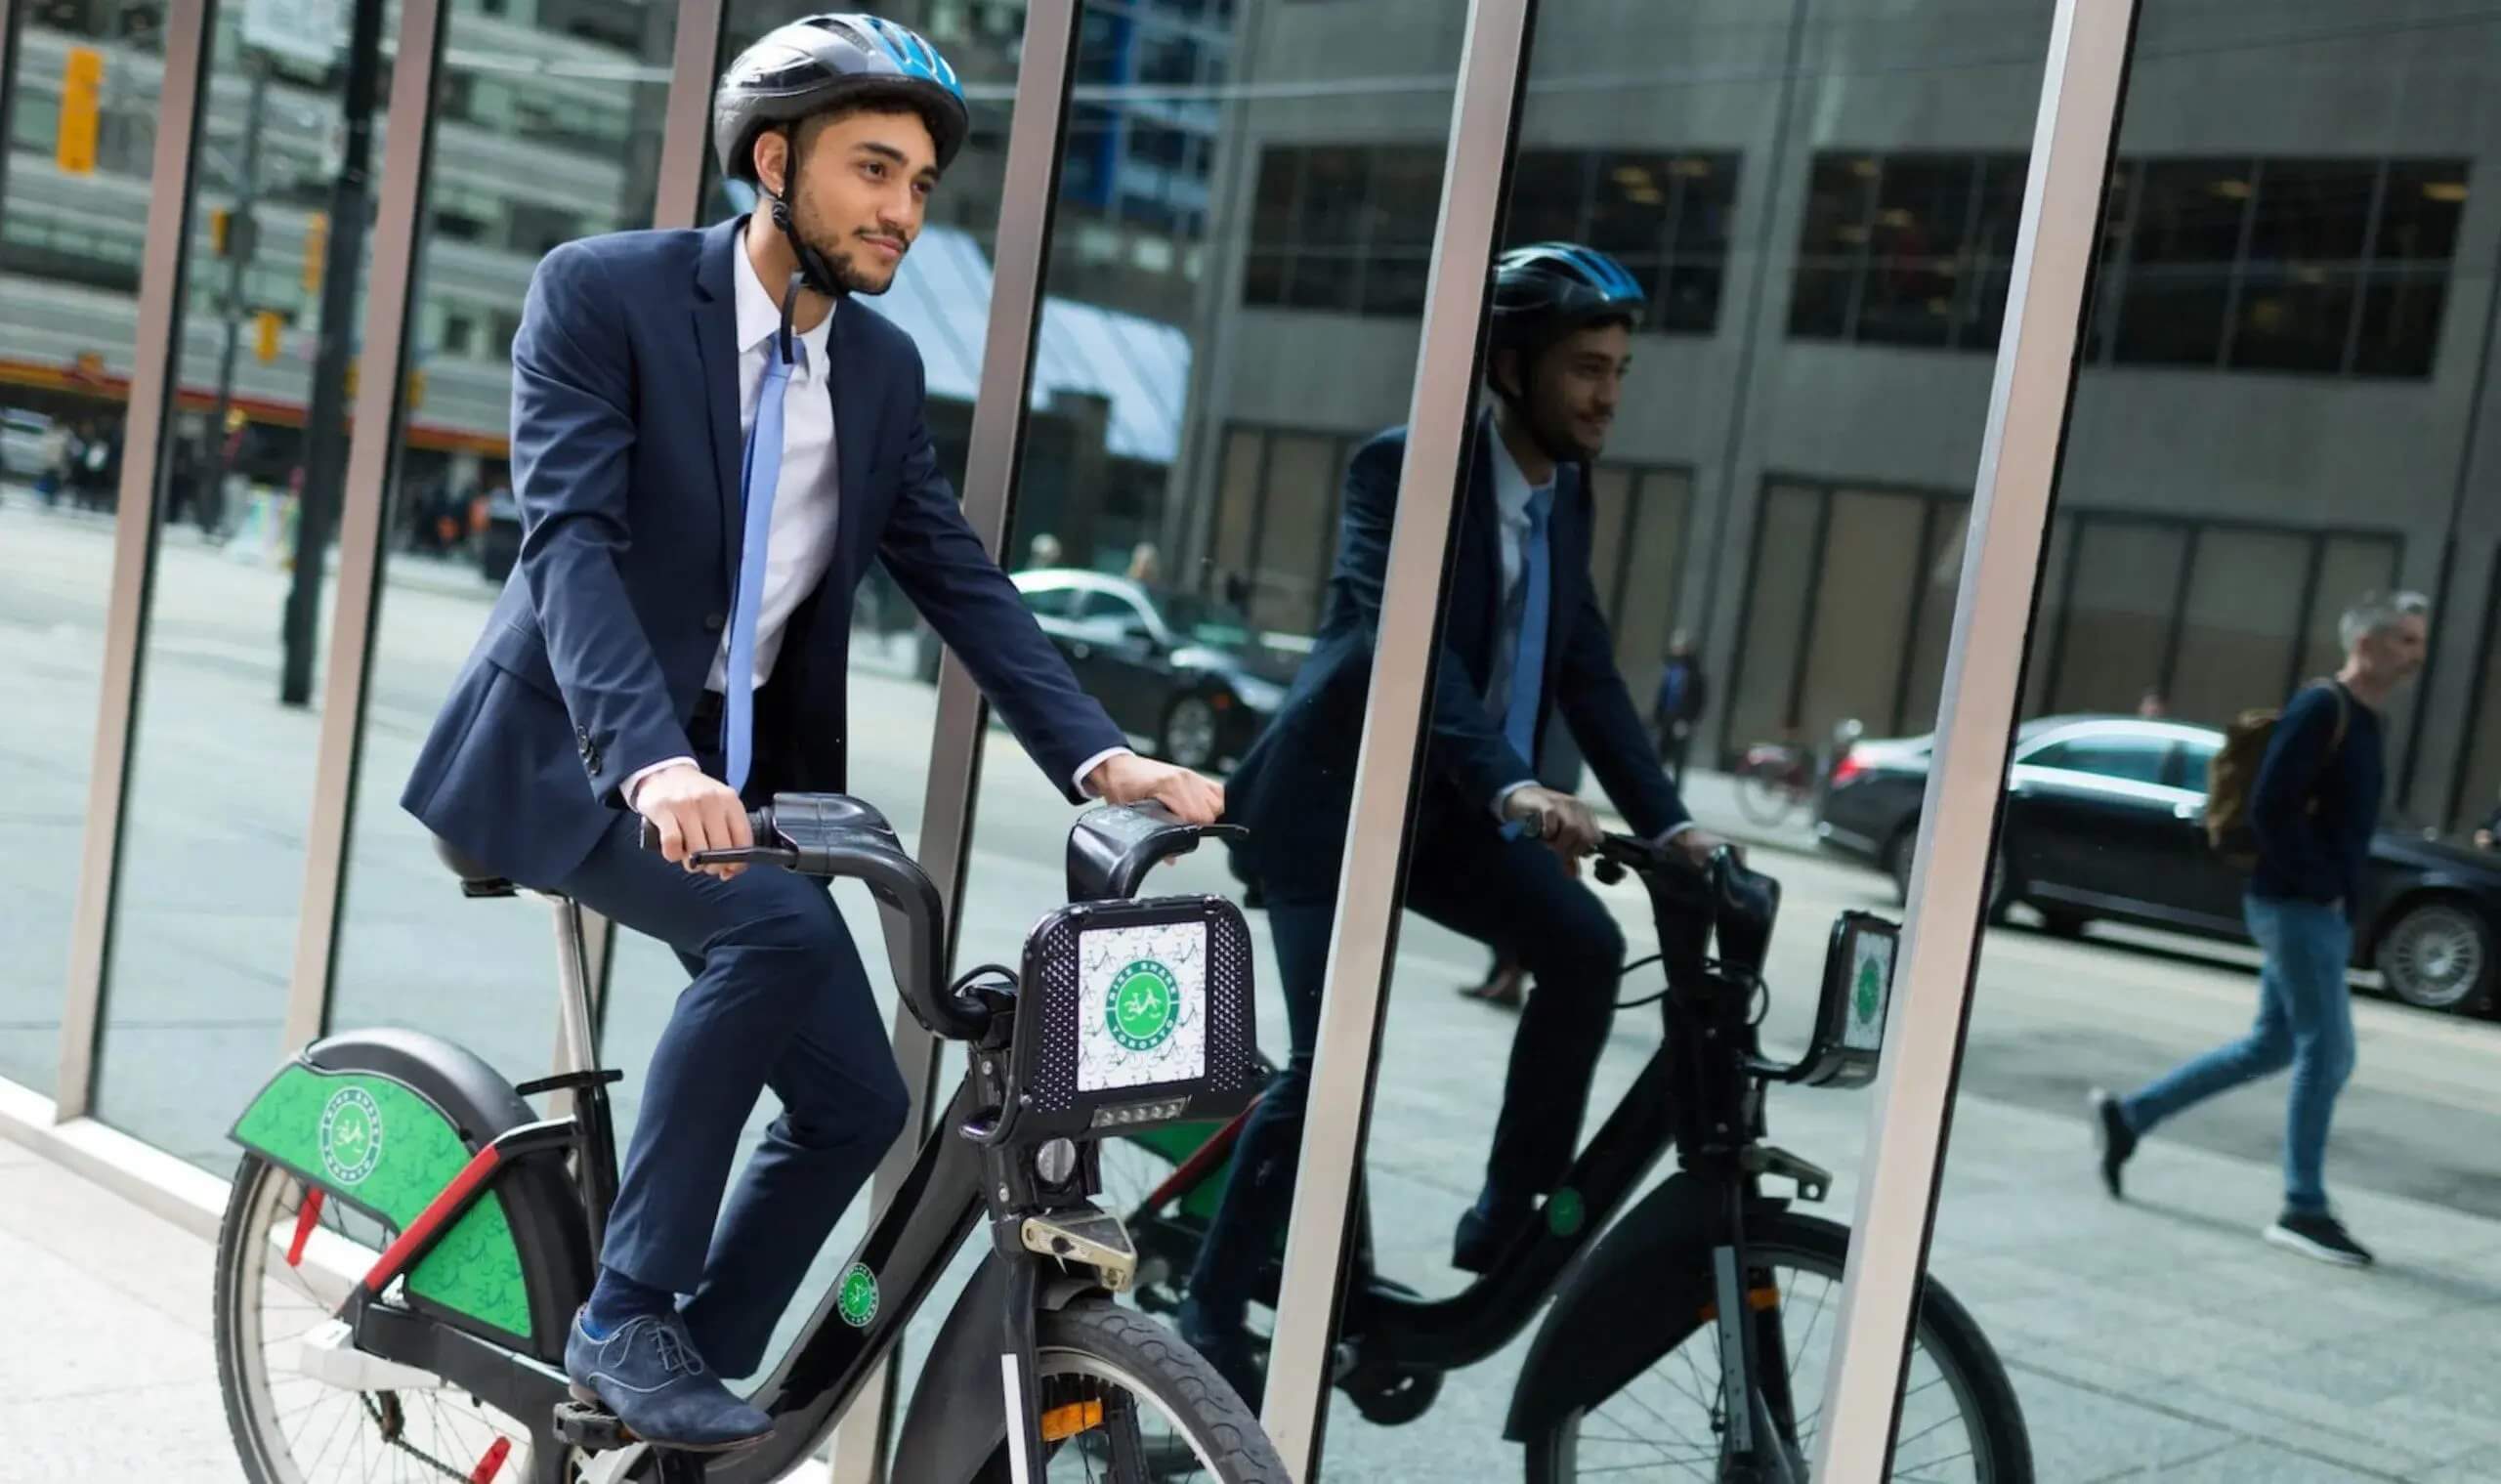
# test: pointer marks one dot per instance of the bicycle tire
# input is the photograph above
(1095, 1341)
(1765, 798)
(1945, 1330)
(450, 1437)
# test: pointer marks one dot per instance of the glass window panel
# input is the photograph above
(1629, 216)
(1909, 301)
(1273, 206)
(2419, 218)
(1862, 611)
(1939, 575)
(2133, 760)
(2119, 615)
(212, 850)
(2241, 623)
(2479, 802)
(1819, 305)
(1923, 205)
(2294, 321)
(1335, 185)
(1708, 204)
(2402, 316)
(1687, 299)
(2349, 568)
(1302, 473)
(2173, 317)
(1325, 280)
(2311, 211)
(1839, 197)
(1610, 500)
(2190, 211)
(1778, 591)
(1550, 196)
(1653, 576)
(1407, 193)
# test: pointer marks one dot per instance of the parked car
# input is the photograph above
(1187, 677)
(2105, 818)
(22, 434)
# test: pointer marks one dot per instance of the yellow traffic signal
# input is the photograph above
(317, 246)
(82, 87)
(266, 326)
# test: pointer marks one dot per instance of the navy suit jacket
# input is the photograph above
(626, 451)
(1294, 786)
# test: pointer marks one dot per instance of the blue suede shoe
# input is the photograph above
(647, 1372)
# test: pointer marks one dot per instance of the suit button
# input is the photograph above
(713, 622)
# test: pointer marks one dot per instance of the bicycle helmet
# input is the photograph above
(818, 63)
(1547, 290)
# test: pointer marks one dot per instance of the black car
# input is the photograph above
(1188, 678)
(2105, 818)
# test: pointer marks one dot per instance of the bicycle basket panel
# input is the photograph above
(1135, 1014)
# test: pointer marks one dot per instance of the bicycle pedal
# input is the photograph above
(590, 1428)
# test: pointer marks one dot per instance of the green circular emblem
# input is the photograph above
(1870, 989)
(857, 1298)
(350, 1135)
(1564, 1213)
(1145, 1005)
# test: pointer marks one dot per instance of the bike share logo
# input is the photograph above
(1144, 1005)
(1870, 989)
(350, 1135)
(856, 1300)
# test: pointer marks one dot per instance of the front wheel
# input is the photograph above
(1126, 1402)
(1960, 1420)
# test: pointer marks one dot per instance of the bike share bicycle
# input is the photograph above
(1644, 1322)
(407, 1240)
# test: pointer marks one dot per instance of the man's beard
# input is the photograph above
(847, 275)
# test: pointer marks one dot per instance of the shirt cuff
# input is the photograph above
(635, 781)
(1502, 796)
(1085, 770)
(1673, 831)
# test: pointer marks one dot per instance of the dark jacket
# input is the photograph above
(2316, 802)
(1294, 786)
(625, 463)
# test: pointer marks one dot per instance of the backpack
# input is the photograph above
(2232, 776)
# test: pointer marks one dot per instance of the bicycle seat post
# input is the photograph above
(577, 1052)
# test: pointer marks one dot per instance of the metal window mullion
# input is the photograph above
(1809, 607)
(2166, 669)
(155, 372)
(1898, 724)
(2362, 272)
(1036, 143)
(2238, 279)
(1863, 262)
(2034, 387)
(2077, 526)
(390, 300)
(2112, 299)
(1475, 175)
(1968, 311)
(2310, 578)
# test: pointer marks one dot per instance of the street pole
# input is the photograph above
(326, 451)
(243, 239)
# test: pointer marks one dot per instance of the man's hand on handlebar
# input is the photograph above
(693, 811)
(1129, 779)
(1568, 826)
(1696, 844)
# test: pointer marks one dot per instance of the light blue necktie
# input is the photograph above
(761, 470)
(1528, 670)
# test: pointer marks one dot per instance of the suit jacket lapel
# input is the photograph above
(716, 343)
(856, 396)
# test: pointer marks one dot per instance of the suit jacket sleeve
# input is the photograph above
(1464, 744)
(572, 435)
(1598, 709)
(935, 558)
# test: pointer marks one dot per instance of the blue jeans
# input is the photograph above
(2304, 1021)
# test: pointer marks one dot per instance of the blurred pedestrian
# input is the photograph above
(2488, 835)
(1146, 565)
(1678, 709)
(1044, 551)
(58, 442)
(2312, 810)
(2152, 706)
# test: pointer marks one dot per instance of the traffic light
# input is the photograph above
(316, 247)
(266, 326)
(83, 86)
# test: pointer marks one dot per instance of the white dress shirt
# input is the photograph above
(807, 496)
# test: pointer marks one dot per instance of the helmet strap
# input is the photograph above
(814, 269)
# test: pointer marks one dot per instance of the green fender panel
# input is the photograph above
(380, 1146)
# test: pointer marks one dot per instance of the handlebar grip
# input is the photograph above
(759, 824)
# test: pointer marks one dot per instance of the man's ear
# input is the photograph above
(772, 158)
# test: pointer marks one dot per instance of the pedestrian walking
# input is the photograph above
(2311, 810)
(1682, 692)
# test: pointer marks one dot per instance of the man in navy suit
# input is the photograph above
(711, 442)
(1496, 852)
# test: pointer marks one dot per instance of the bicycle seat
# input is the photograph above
(476, 878)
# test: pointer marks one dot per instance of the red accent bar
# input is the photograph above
(1207, 1157)
(454, 1196)
(493, 1463)
(305, 1217)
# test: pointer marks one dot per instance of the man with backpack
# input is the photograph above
(2310, 812)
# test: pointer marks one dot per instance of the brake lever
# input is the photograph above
(746, 854)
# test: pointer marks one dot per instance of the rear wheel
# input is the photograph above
(2439, 955)
(1765, 793)
(1126, 1402)
(1960, 1420)
(281, 1277)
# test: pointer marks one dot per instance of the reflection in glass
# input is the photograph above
(212, 859)
(2276, 1015)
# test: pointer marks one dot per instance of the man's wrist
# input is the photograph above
(634, 779)
(1085, 770)
(1502, 796)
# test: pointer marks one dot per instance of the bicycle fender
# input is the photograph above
(382, 1120)
(1601, 1329)
(957, 1419)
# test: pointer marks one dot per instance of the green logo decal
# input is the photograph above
(1144, 1005)
(1870, 989)
(856, 1298)
(350, 1135)
(1564, 1213)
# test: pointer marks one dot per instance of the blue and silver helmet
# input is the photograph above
(818, 61)
(1546, 290)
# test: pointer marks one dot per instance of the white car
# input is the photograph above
(22, 435)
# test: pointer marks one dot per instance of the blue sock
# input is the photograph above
(618, 1300)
